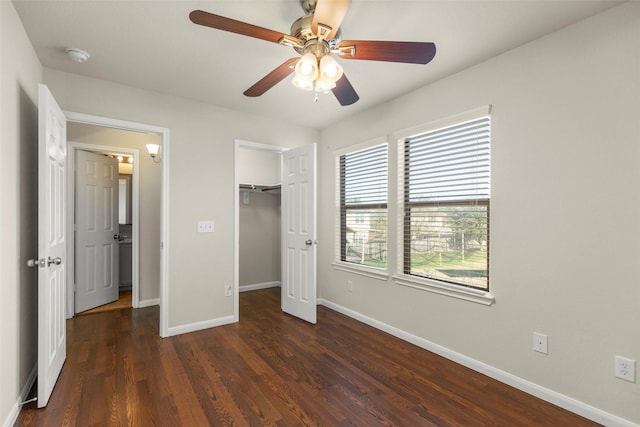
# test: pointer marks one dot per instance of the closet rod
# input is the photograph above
(259, 187)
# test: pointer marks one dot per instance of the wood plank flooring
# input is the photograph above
(123, 301)
(270, 369)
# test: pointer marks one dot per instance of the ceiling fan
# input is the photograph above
(316, 36)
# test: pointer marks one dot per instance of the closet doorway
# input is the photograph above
(259, 238)
(258, 216)
(295, 219)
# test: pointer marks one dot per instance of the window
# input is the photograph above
(362, 196)
(446, 204)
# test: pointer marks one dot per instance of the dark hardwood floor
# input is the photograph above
(270, 369)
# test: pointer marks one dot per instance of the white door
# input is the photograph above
(97, 244)
(299, 232)
(52, 153)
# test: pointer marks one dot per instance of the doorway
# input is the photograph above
(298, 237)
(121, 278)
(257, 257)
(149, 231)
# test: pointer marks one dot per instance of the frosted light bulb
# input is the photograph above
(331, 70)
(306, 69)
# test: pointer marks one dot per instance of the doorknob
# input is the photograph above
(116, 237)
(310, 242)
(56, 261)
(35, 263)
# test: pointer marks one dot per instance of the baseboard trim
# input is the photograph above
(245, 288)
(543, 393)
(198, 326)
(148, 302)
(24, 393)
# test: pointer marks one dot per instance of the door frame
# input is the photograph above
(238, 144)
(72, 148)
(164, 195)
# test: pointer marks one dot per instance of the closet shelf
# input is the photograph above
(252, 188)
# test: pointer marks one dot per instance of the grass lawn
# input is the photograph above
(446, 266)
(450, 264)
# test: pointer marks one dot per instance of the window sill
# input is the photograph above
(467, 294)
(372, 272)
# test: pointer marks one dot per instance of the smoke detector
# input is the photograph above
(77, 55)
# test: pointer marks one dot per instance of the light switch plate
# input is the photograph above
(205, 226)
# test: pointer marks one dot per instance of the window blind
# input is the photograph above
(365, 176)
(446, 203)
(363, 206)
(449, 164)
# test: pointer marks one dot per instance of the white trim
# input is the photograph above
(149, 302)
(198, 326)
(164, 236)
(362, 270)
(260, 146)
(526, 386)
(360, 146)
(256, 286)
(237, 145)
(12, 417)
(90, 119)
(164, 197)
(465, 116)
(72, 147)
(460, 292)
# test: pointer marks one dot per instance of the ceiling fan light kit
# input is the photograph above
(307, 67)
(316, 74)
(316, 36)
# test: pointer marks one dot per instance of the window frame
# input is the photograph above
(374, 272)
(401, 277)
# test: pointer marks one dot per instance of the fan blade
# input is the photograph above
(344, 92)
(329, 13)
(273, 78)
(218, 22)
(408, 52)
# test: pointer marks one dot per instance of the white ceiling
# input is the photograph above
(153, 45)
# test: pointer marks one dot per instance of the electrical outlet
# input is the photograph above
(350, 285)
(540, 343)
(227, 290)
(625, 369)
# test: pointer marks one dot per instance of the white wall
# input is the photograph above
(259, 238)
(565, 212)
(201, 179)
(21, 73)
(149, 193)
(258, 167)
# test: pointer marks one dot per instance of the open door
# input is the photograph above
(97, 230)
(52, 153)
(299, 232)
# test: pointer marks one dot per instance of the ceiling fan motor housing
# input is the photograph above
(301, 29)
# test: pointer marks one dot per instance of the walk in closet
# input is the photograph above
(259, 219)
